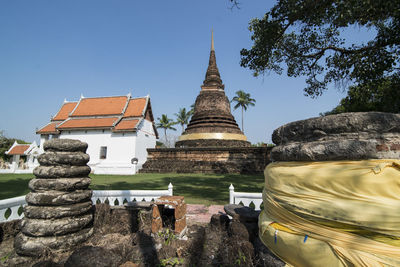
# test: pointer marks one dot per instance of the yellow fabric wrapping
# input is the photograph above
(349, 211)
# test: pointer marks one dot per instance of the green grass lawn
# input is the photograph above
(205, 189)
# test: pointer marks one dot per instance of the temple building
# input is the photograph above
(23, 158)
(118, 130)
(212, 141)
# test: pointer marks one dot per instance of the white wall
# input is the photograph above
(121, 148)
(43, 138)
(145, 139)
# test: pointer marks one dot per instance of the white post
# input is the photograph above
(231, 192)
(170, 188)
(135, 167)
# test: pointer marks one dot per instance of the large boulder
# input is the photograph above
(347, 136)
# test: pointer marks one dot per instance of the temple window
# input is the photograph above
(103, 152)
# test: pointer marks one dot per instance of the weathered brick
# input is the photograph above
(180, 211)
(170, 200)
(395, 147)
(155, 212)
(156, 225)
(382, 147)
(180, 225)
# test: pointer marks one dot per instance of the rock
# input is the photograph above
(46, 263)
(345, 125)
(88, 256)
(327, 150)
(129, 264)
(54, 212)
(219, 221)
(347, 136)
(9, 229)
(238, 230)
(37, 246)
(61, 171)
(244, 214)
(63, 158)
(61, 184)
(66, 145)
(62, 226)
(265, 257)
(139, 205)
(58, 198)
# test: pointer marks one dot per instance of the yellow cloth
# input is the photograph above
(344, 207)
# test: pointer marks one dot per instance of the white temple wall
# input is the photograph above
(121, 148)
(145, 139)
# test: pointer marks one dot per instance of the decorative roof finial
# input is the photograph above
(212, 40)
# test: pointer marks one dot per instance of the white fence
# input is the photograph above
(245, 198)
(118, 197)
(113, 197)
(14, 205)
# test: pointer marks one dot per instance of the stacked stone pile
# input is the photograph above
(59, 211)
(347, 136)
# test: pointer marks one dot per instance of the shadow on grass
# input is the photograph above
(14, 187)
(197, 189)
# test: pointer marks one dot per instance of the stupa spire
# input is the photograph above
(212, 79)
(212, 40)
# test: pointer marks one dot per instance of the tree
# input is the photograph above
(383, 95)
(307, 37)
(243, 100)
(165, 123)
(183, 117)
(192, 109)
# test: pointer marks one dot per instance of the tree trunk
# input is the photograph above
(242, 121)
(165, 135)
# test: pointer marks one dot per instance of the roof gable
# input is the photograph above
(64, 111)
(127, 125)
(76, 123)
(49, 129)
(19, 149)
(100, 106)
(136, 107)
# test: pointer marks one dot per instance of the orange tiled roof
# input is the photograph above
(100, 112)
(100, 106)
(49, 128)
(126, 125)
(135, 107)
(64, 111)
(88, 123)
(18, 150)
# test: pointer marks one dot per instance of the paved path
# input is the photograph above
(202, 214)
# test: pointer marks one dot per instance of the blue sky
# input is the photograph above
(55, 50)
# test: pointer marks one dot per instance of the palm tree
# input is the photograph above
(183, 117)
(243, 100)
(165, 123)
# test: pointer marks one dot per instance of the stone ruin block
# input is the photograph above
(169, 211)
(59, 213)
(347, 136)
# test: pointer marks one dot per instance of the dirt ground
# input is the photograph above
(124, 238)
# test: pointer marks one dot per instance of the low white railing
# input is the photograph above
(12, 205)
(245, 198)
(15, 204)
(100, 196)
